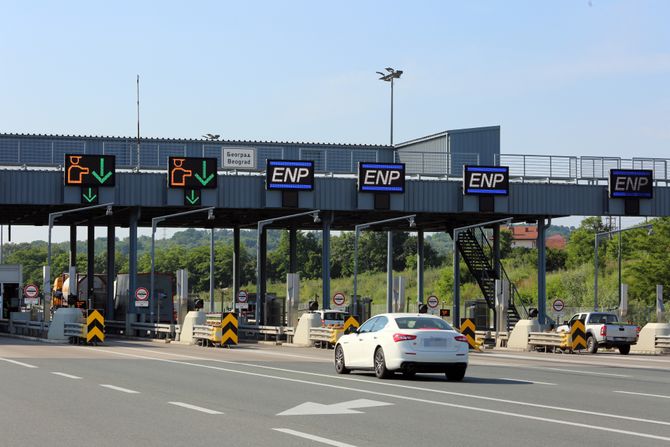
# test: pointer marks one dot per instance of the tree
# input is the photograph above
(580, 246)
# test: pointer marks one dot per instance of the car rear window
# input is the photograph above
(421, 323)
(334, 316)
(602, 318)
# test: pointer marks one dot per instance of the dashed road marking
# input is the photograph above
(195, 407)
(118, 388)
(644, 394)
(69, 376)
(300, 434)
(18, 363)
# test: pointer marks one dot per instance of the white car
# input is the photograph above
(409, 343)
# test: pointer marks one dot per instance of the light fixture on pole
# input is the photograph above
(260, 225)
(357, 230)
(596, 243)
(154, 223)
(390, 75)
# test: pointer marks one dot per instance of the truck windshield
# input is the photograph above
(602, 319)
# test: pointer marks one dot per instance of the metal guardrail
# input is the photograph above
(573, 169)
(662, 342)
(74, 330)
(549, 339)
(156, 329)
(27, 327)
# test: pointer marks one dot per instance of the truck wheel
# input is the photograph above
(624, 349)
(591, 344)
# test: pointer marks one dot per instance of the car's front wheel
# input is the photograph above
(340, 366)
(380, 365)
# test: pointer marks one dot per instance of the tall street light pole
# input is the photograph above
(389, 76)
(596, 243)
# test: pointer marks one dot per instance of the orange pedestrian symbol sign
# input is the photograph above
(89, 170)
(178, 174)
(76, 172)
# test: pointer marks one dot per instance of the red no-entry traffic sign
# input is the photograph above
(242, 296)
(31, 291)
(338, 299)
(433, 302)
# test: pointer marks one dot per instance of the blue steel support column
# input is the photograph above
(73, 248)
(325, 263)
(211, 271)
(111, 270)
(90, 265)
(132, 262)
(261, 297)
(457, 285)
(236, 265)
(419, 267)
(389, 272)
(541, 272)
(496, 269)
(292, 250)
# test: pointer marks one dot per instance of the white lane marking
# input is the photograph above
(349, 407)
(69, 376)
(18, 363)
(376, 393)
(544, 368)
(195, 407)
(644, 394)
(602, 362)
(526, 381)
(118, 388)
(300, 434)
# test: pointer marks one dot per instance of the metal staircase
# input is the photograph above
(481, 267)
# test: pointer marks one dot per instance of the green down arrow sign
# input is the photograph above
(204, 179)
(89, 195)
(102, 176)
(191, 197)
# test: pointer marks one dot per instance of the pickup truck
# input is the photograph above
(604, 330)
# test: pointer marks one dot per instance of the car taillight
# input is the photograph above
(403, 337)
(462, 338)
(603, 330)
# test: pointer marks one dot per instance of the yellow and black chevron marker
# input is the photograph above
(351, 322)
(229, 329)
(578, 334)
(468, 329)
(95, 327)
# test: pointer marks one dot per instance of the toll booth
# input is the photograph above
(363, 309)
(11, 283)
(479, 312)
(164, 289)
(272, 310)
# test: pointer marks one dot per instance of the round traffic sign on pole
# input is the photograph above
(242, 296)
(558, 305)
(338, 299)
(433, 302)
(142, 294)
(31, 291)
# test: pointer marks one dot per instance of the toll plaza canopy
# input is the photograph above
(248, 181)
(446, 181)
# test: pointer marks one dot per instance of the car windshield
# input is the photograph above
(602, 319)
(422, 323)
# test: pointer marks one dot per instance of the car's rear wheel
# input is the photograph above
(624, 349)
(340, 366)
(456, 373)
(380, 365)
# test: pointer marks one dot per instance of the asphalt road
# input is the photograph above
(155, 394)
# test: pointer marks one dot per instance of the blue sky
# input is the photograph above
(568, 77)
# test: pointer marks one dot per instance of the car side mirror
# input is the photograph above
(351, 330)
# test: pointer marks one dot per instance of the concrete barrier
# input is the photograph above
(62, 316)
(518, 339)
(193, 318)
(301, 337)
(646, 343)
